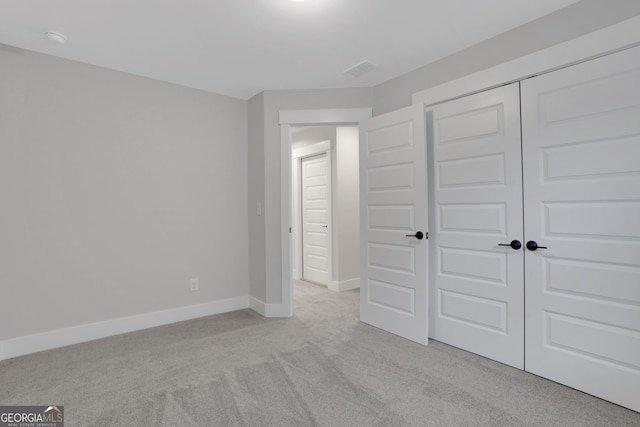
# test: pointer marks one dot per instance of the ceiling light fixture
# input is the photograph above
(56, 36)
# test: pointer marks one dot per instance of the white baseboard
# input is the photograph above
(345, 285)
(268, 310)
(20, 346)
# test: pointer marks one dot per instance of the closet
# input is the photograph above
(536, 218)
(534, 225)
(477, 292)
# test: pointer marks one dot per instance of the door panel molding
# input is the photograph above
(477, 288)
(316, 215)
(581, 145)
(393, 199)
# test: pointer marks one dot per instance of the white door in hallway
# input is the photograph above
(316, 218)
(477, 294)
(581, 142)
(393, 200)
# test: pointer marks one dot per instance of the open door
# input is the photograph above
(316, 217)
(393, 223)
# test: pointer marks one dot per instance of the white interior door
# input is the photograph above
(393, 200)
(316, 218)
(477, 297)
(581, 139)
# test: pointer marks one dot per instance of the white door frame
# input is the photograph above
(288, 118)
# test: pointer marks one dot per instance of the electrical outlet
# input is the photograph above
(195, 284)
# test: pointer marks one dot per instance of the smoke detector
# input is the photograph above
(56, 36)
(360, 68)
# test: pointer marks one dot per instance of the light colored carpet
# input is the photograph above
(320, 368)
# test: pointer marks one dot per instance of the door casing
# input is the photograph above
(288, 118)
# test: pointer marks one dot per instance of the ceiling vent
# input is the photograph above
(360, 68)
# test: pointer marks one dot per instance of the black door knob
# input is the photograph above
(533, 246)
(418, 235)
(515, 244)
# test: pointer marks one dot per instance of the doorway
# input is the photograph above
(342, 233)
(325, 226)
(311, 203)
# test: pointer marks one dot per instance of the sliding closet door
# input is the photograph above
(477, 295)
(581, 142)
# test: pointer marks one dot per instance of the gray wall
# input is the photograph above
(347, 204)
(272, 103)
(115, 190)
(307, 135)
(573, 21)
(257, 260)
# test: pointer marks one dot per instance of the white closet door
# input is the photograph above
(316, 216)
(393, 200)
(477, 300)
(581, 139)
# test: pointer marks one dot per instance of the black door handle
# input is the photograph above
(515, 244)
(533, 246)
(418, 235)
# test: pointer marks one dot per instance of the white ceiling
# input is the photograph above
(241, 47)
